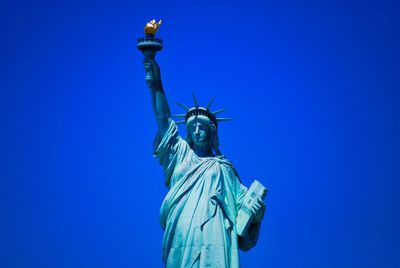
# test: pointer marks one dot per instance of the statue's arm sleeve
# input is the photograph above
(249, 240)
(169, 148)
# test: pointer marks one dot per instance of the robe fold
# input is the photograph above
(199, 212)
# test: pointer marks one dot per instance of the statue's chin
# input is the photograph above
(201, 143)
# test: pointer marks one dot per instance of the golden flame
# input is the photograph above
(152, 26)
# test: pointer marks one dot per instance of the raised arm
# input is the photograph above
(158, 100)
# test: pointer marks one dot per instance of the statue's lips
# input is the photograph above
(198, 138)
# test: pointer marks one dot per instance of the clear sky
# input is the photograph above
(313, 87)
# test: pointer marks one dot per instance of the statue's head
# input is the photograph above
(201, 131)
(202, 125)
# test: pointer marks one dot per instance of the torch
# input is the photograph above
(149, 44)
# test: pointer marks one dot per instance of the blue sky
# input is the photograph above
(313, 87)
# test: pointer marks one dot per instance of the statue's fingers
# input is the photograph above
(149, 63)
(260, 201)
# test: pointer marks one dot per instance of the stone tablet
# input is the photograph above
(245, 216)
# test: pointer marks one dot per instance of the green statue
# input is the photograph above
(205, 205)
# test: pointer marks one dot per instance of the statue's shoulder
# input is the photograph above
(222, 158)
(227, 167)
(224, 161)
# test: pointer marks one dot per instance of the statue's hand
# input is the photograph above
(258, 209)
(152, 73)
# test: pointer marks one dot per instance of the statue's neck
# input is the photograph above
(203, 150)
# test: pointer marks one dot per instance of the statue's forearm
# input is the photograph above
(158, 100)
(160, 108)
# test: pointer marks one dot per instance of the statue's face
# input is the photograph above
(199, 132)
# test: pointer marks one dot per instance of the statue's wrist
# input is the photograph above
(257, 220)
(156, 87)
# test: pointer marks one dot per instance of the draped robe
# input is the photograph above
(199, 212)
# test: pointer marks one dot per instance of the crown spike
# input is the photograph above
(224, 119)
(196, 103)
(219, 111)
(183, 106)
(210, 103)
(180, 122)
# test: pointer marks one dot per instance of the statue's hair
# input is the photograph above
(212, 130)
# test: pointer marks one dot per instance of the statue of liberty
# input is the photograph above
(200, 212)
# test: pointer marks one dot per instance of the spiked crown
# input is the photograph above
(198, 110)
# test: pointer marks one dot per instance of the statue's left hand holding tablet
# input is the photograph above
(258, 209)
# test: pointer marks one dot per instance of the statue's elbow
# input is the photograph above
(246, 244)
